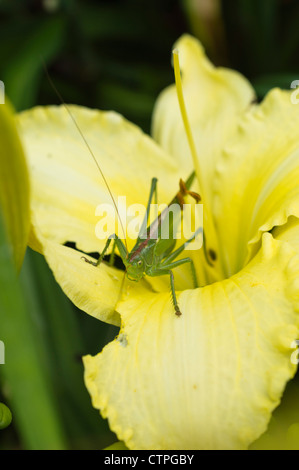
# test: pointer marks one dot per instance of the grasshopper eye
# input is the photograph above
(140, 264)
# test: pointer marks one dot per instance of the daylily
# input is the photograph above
(14, 204)
(210, 378)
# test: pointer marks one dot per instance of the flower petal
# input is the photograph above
(283, 429)
(288, 232)
(67, 187)
(210, 378)
(14, 188)
(215, 98)
(257, 178)
(95, 290)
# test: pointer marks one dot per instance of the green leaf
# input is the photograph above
(30, 390)
(31, 397)
(265, 83)
(62, 344)
(119, 445)
(23, 71)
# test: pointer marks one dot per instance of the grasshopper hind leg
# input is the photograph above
(166, 270)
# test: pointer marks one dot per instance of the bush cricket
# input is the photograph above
(152, 255)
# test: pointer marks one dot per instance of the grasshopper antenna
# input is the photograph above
(87, 145)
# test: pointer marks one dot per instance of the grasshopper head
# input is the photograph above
(135, 269)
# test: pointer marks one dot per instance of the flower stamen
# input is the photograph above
(208, 217)
(179, 89)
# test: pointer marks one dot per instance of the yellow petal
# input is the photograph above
(96, 291)
(14, 188)
(288, 232)
(210, 378)
(283, 429)
(215, 98)
(257, 178)
(67, 187)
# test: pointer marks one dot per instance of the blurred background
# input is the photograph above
(114, 54)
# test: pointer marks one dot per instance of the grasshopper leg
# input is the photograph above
(174, 264)
(112, 254)
(153, 193)
(116, 243)
(104, 251)
(173, 294)
(160, 272)
(94, 263)
(167, 269)
(98, 262)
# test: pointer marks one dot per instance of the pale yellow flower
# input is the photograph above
(211, 378)
(14, 185)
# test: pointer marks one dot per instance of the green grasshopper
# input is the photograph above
(153, 255)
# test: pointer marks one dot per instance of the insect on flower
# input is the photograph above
(163, 378)
(153, 254)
